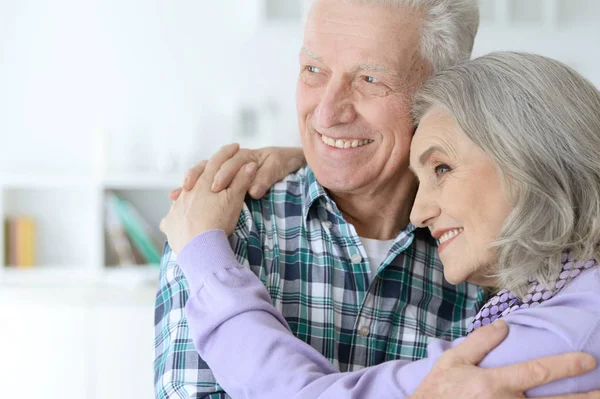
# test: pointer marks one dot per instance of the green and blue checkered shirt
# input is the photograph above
(316, 270)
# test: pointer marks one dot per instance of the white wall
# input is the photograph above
(161, 77)
(157, 76)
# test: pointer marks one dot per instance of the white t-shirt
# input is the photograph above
(377, 251)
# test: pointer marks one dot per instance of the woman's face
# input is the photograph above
(460, 197)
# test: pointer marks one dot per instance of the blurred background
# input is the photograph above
(103, 105)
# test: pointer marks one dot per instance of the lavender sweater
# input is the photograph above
(252, 353)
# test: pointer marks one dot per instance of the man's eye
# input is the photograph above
(370, 86)
(441, 169)
(313, 69)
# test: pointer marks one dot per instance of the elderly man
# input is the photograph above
(333, 242)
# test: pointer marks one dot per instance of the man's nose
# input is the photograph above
(425, 209)
(336, 105)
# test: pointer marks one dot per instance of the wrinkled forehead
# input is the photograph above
(341, 31)
(437, 129)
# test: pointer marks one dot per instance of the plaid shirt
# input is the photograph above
(315, 269)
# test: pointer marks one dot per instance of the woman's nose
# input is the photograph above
(425, 209)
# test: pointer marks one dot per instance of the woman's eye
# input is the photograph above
(313, 69)
(371, 79)
(441, 169)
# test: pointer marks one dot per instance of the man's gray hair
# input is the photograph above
(448, 28)
(539, 121)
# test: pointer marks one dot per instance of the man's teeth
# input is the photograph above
(339, 143)
(450, 234)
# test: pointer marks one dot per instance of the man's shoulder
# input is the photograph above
(426, 246)
(295, 184)
(292, 189)
(286, 199)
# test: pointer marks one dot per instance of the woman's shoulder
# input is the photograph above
(573, 314)
(588, 281)
(578, 303)
(568, 322)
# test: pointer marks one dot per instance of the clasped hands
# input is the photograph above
(213, 192)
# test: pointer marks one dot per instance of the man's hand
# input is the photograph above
(274, 163)
(201, 209)
(456, 375)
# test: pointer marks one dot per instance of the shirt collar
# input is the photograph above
(410, 228)
(317, 192)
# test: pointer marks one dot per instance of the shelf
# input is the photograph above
(143, 181)
(30, 181)
(65, 220)
(126, 181)
(51, 275)
(130, 276)
(55, 275)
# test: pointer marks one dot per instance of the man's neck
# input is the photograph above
(379, 213)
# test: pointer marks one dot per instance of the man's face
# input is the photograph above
(359, 67)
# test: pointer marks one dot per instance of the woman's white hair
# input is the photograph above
(539, 121)
(448, 28)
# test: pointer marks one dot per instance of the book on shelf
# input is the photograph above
(120, 247)
(130, 238)
(20, 241)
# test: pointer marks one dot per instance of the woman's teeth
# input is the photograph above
(339, 143)
(450, 234)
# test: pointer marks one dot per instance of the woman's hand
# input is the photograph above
(200, 209)
(273, 164)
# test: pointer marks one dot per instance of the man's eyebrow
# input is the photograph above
(309, 53)
(427, 153)
(369, 67)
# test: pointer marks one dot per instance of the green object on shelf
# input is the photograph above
(134, 227)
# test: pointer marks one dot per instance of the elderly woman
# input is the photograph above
(507, 152)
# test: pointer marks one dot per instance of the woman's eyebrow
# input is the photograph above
(427, 153)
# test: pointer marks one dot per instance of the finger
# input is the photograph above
(215, 162)
(192, 175)
(231, 167)
(258, 190)
(173, 195)
(296, 159)
(278, 163)
(524, 376)
(242, 180)
(481, 342)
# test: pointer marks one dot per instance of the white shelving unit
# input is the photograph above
(69, 208)
(69, 215)
(120, 105)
